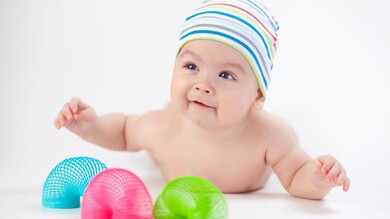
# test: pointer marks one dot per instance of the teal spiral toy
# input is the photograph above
(68, 180)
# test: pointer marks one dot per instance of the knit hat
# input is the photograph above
(245, 25)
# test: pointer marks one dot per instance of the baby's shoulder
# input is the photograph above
(274, 128)
(158, 120)
(150, 127)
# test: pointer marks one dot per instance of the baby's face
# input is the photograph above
(213, 84)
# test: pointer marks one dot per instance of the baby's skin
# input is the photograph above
(215, 127)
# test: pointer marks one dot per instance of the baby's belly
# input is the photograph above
(228, 177)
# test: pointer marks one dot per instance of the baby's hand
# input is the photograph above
(76, 116)
(331, 173)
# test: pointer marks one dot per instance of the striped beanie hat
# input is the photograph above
(245, 25)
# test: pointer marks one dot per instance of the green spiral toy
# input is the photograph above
(192, 198)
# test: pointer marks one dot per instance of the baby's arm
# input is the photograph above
(107, 131)
(301, 175)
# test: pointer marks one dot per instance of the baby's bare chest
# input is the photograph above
(233, 167)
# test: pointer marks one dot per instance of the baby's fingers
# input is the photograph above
(347, 184)
(60, 120)
(67, 111)
(343, 180)
(334, 172)
(64, 116)
(76, 105)
(57, 123)
(327, 162)
(331, 168)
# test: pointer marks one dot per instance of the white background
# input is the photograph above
(330, 79)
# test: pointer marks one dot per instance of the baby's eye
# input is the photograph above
(192, 67)
(226, 75)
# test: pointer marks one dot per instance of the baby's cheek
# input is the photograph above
(233, 110)
(176, 93)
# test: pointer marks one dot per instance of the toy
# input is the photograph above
(116, 193)
(190, 197)
(67, 181)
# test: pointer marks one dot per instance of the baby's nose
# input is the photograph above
(203, 87)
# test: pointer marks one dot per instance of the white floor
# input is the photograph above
(271, 202)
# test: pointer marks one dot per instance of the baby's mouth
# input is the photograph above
(201, 104)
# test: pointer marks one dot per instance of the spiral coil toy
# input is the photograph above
(116, 193)
(67, 181)
(190, 197)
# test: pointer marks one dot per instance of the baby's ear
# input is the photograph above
(259, 102)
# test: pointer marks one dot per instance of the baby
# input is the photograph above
(215, 126)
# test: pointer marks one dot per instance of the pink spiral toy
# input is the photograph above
(116, 193)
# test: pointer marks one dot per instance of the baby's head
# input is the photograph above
(245, 25)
